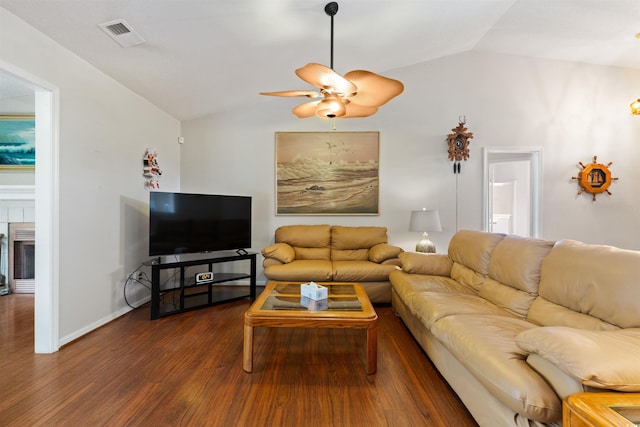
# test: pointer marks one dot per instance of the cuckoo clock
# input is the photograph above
(458, 141)
(594, 178)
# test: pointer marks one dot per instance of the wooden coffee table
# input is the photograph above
(280, 305)
(601, 409)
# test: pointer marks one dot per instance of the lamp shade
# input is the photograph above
(425, 220)
(635, 107)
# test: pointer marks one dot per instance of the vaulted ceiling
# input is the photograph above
(205, 56)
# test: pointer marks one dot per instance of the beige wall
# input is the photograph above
(103, 130)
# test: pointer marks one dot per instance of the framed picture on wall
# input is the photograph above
(327, 173)
(17, 142)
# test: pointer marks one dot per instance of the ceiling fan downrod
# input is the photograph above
(331, 9)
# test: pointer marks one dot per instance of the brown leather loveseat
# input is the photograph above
(325, 253)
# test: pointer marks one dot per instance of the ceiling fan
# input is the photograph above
(358, 94)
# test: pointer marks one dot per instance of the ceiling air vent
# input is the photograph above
(121, 32)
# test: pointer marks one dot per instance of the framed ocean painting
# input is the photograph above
(327, 173)
(17, 142)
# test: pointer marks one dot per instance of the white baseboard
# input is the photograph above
(100, 322)
(113, 316)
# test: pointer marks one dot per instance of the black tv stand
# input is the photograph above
(183, 293)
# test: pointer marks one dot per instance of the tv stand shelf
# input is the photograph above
(186, 294)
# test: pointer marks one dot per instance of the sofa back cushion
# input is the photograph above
(514, 273)
(308, 241)
(470, 252)
(589, 287)
(353, 243)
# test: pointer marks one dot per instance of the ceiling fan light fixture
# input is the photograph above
(635, 107)
(331, 107)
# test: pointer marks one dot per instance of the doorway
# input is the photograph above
(511, 190)
(46, 98)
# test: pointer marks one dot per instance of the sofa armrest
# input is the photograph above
(599, 359)
(422, 263)
(382, 252)
(562, 383)
(282, 252)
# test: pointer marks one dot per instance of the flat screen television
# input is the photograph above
(183, 223)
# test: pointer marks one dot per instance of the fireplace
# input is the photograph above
(22, 245)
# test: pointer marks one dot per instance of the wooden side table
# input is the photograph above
(601, 409)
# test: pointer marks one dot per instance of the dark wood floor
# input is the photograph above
(186, 370)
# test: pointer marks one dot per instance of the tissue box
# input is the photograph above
(314, 291)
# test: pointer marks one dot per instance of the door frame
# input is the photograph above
(47, 195)
(491, 155)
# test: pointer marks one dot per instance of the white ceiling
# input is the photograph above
(204, 56)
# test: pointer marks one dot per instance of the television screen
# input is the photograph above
(182, 223)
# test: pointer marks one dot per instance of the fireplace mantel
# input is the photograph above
(17, 192)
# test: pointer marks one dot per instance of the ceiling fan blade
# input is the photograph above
(355, 110)
(307, 93)
(325, 78)
(305, 110)
(374, 90)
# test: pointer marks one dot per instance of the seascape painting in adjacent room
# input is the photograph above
(327, 173)
(17, 142)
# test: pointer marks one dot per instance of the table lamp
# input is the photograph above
(424, 221)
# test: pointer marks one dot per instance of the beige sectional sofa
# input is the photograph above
(325, 253)
(517, 324)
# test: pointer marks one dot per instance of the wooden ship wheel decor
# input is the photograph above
(595, 178)
(458, 141)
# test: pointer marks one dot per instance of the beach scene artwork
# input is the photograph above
(327, 173)
(17, 142)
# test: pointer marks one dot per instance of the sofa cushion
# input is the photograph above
(467, 276)
(506, 297)
(310, 242)
(516, 262)
(595, 280)
(473, 249)
(546, 313)
(353, 243)
(313, 254)
(282, 252)
(361, 271)
(407, 285)
(431, 306)
(586, 355)
(300, 271)
(486, 346)
(383, 252)
(421, 263)
(350, 255)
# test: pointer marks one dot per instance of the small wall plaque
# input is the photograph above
(595, 178)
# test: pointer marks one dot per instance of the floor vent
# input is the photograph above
(122, 33)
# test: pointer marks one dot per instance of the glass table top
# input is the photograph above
(631, 413)
(342, 297)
